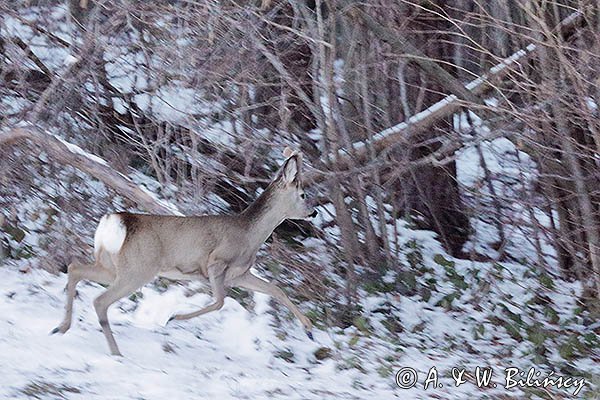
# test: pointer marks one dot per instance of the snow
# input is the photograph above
(73, 148)
(13, 105)
(497, 154)
(167, 204)
(591, 104)
(184, 106)
(53, 57)
(70, 59)
(224, 354)
(172, 103)
(150, 186)
(404, 125)
(512, 59)
(125, 70)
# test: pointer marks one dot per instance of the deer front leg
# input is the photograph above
(216, 277)
(252, 282)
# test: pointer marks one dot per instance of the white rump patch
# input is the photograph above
(110, 234)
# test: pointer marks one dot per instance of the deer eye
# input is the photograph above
(302, 195)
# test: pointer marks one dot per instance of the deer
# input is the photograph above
(131, 250)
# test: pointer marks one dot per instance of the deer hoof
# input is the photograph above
(310, 335)
(59, 329)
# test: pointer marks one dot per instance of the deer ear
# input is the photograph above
(291, 169)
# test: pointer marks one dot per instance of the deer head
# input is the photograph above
(288, 188)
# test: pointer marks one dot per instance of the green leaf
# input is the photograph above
(439, 259)
(546, 281)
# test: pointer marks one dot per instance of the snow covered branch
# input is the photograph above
(450, 104)
(74, 156)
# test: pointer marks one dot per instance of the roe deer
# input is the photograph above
(130, 250)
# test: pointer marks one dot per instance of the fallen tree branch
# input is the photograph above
(72, 155)
(404, 131)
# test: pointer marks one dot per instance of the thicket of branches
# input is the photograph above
(370, 91)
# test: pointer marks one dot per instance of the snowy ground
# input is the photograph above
(226, 354)
(236, 353)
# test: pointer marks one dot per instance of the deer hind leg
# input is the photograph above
(217, 283)
(77, 272)
(252, 282)
(120, 288)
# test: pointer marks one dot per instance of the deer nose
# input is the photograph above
(313, 214)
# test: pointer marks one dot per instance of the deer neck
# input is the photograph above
(262, 217)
